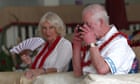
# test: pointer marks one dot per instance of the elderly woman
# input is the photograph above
(56, 52)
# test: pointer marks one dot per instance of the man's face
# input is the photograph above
(92, 23)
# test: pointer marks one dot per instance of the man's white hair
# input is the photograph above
(97, 11)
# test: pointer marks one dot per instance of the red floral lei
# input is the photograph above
(101, 47)
(46, 54)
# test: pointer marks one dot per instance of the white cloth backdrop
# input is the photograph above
(68, 78)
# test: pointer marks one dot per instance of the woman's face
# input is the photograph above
(48, 31)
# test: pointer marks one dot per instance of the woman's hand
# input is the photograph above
(32, 73)
(26, 59)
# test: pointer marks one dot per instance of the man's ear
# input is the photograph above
(101, 21)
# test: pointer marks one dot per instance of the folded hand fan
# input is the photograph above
(28, 44)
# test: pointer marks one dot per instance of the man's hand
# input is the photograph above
(76, 40)
(87, 35)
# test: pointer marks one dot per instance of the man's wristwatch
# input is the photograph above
(92, 45)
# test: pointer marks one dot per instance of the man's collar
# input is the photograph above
(112, 30)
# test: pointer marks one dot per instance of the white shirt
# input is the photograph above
(60, 57)
(118, 54)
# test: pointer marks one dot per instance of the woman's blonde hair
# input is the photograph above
(55, 21)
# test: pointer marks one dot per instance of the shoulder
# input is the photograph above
(65, 41)
(64, 44)
(121, 38)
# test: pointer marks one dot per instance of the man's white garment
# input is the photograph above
(117, 54)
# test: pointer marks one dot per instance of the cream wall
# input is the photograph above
(69, 13)
(133, 12)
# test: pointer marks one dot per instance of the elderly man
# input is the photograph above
(108, 51)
